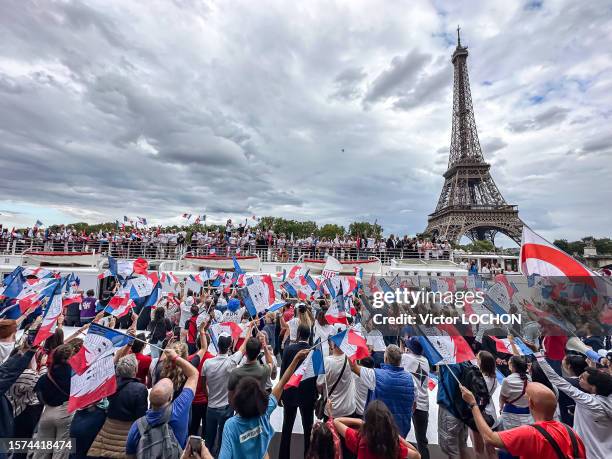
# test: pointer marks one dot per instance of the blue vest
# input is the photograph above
(395, 388)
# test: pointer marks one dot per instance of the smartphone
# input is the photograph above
(31, 336)
(196, 443)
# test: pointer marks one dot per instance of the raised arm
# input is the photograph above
(277, 391)
(343, 424)
(190, 372)
(490, 437)
(560, 383)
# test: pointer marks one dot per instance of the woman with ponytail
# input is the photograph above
(513, 402)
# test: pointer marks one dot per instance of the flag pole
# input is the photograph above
(443, 362)
(130, 336)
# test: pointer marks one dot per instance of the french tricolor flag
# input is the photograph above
(71, 298)
(97, 382)
(227, 328)
(353, 345)
(336, 314)
(504, 345)
(51, 314)
(444, 348)
(98, 343)
(290, 289)
(120, 304)
(311, 366)
(258, 294)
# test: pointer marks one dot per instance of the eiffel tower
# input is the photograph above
(470, 203)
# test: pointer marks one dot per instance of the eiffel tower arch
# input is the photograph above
(470, 203)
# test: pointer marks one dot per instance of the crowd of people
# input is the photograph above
(159, 243)
(177, 379)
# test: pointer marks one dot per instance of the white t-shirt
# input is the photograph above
(512, 387)
(322, 332)
(185, 311)
(491, 386)
(361, 394)
(343, 397)
(418, 367)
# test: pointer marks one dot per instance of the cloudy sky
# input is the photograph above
(331, 111)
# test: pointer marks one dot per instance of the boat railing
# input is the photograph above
(131, 249)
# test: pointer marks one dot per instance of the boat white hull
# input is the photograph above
(225, 263)
(64, 258)
(371, 266)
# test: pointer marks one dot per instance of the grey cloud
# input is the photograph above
(427, 88)
(155, 108)
(348, 84)
(401, 73)
(549, 117)
(492, 145)
(598, 144)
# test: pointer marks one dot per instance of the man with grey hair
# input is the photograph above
(392, 385)
(127, 366)
(165, 411)
(128, 403)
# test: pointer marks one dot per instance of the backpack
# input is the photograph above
(158, 441)
(471, 377)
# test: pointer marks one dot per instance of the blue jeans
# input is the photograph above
(215, 420)
(84, 427)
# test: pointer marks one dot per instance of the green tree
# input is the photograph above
(330, 231)
(480, 246)
(365, 229)
(562, 244)
(603, 246)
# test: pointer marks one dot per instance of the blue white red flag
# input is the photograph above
(120, 304)
(32, 294)
(52, 312)
(290, 289)
(311, 367)
(154, 296)
(139, 287)
(309, 286)
(440, 347)
(98, 343)
(228, 329)
(504, 345)
(125, 268)
(336, 313)
(38, 224)
(258, 294)
(97, 382)
(13, 283)
(353, 345)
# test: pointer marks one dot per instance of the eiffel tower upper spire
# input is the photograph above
(470, 202)
(464, 141)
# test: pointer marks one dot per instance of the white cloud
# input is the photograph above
(318, 110)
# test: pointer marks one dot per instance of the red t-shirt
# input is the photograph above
(358, 446)
(526, 442)
(144, 362)
(554, 347)
(192, 330)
